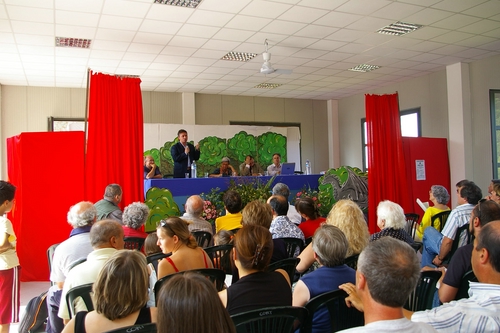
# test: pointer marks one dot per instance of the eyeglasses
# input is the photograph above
(479, 208)
(164, 224)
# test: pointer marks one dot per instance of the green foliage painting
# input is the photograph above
(162, 205)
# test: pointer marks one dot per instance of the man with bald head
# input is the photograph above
(194, 209)
(81, 217)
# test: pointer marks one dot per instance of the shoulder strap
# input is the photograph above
(172, 263)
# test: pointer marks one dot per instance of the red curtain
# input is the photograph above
(115, 138)
(386, 163)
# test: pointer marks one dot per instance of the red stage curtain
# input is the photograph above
(115, 138)
(386, 163)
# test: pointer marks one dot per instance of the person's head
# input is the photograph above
(257, 212)
(495, 193)
(224, 165)
(278, 204)
(249, 160)
(276, 159)
(182, 297)
(385, 266)
(223, 237)
(149, 161)
(232, 201)
(135, 215)
(484, 212)
(82, 214)
(173, 233)
(253, 247)
(7, 193)
(182, 135)
(106, 234)
(461, 183)
(390, 215)
(307, 208)
(486, 254)
(469, 193)
(440, 194)
(348, 217)
(281, 189)
(492, 184)
(330, 245)
(194, 205)
(151, 244)
(122, 285)
(113, 193)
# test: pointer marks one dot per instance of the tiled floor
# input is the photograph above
(28, 291)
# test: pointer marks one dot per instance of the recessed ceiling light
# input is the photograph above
(399, 28)
(180, 3)
(268, 85)
(239, 56)
(364, 68)
(73, 42)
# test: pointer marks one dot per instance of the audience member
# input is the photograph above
(330, 246)
(183, 153)
(120, 296)
(281, 227)
(284, 190)
(225, 169)
(308, 209)
(223, 237)
(106, 237)
(388, 271)
(250, 168)
(151, 247)
(9, 262)
(275, 168)
(439, 197)
(151, 170)
(107, 208)
(437, 244)
(256, 288)
(392, 222)
(174, 236)
(134, 217)
(495, 193)
(232, 219)
(491, 187)
(81, 217)
(194, 209)
(348, 217)
(188, 303)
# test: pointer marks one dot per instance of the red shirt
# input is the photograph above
(309, 227)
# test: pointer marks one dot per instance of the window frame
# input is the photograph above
(494, 128)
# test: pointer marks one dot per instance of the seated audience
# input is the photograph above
(151, 170)
(151, 247)
(189, 303)
(281, 227)
(308, 209)
(223, 237)
(250, 168)
(256, 288)
(284, 190)
(330, 246)
(107, 208)
(392, 222)
(439, 197)
(174, 236)
(134, 217)
(275, 168)
(232, 219)
(495, 193)
(194, 209)
(120, 296)
(225, 169)
(348, 217)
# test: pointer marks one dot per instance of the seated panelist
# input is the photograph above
(225, 170)
(250, 168)
(151, 170)
(275, 168)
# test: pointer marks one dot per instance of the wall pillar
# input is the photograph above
(188, 109)
(333, 134)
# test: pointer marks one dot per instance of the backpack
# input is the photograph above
(35, 315)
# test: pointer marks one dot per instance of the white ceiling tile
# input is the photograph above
(12, 59)
(470, 53)
(266, 9)
(30, 14)
(23, 27)
(109, 45)
(115, 35)
(76, 18)
(456, 21)
(310, 54)
(233, 34)
(145, 48)
(71, 68)
(183, 41)
(134, 64)
(248, 23)
(485, 9)
(221, 45)
(336, 19)
(316, 31)
(298, 41)
(426, 46)
(87, 6)
(397, 11)
(328, 45)
(452, 37)
(5, 26)
(160, 27)
(259, 38)
(370, 24)
(191, 30)
(105, 54)
(428, 16)
(374, 38)
(233, 6)
(481, 27)
(152, 38)
(75, 31)
(302, 14)
(457, 6)
(335, 56)
(363, 7)
(448, 60)
(404, 54)
(476, 41)
(166, 13)
(71, 60)
(210, 18)
(210, 54)
(163, 66)
(425, 57)
(119, 22)
(41, 50)
(24, 39)
(170, 59)
(494, 46)
(37, 4)
(209, 76)
(131, 56)
(289, 61)
(322, 4)
(283, 27)
(126, 8)
(427, 33)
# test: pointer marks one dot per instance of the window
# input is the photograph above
(495, 130)
(410, 126)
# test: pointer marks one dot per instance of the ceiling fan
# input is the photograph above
(267, 68)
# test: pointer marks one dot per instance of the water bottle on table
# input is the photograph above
(308, 167)
(193, 169)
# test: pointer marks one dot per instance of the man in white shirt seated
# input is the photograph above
(275, 168)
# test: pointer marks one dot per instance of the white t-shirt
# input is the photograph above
(8, 259)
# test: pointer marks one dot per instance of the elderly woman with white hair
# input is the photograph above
(439, 197)
(392, 222)
(134, 217)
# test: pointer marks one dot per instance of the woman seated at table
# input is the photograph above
(307, 208)
(120, 296)
(439, 197)
(174, 236)
(256, 288)
(392, 222)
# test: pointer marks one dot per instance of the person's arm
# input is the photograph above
(4, 242)
(285, 275)
(178, 156)
(223, 297)
(306, 259)
(152, 173)
(69, 326)
(164, 269)
(116, 215)
(444, 250)
(301, 294)
(245, 169)
(352, 300)
(196, 152)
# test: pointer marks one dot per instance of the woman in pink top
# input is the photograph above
(308, 209)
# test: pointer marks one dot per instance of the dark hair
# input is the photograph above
(277, 154)
(151, 244)
(7, 191)
(462, 182)
(489, 239)
(112, 190)
(189, 303)
(486, 211)
(254, 247)
(223, 237)
(279, 204)
(177, 226)
(308, 207)
(232, 201)
(181, 131)
(495, 181)
(471, 192)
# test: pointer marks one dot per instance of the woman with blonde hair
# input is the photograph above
(120, 296)
(348, 217)
(174, 236)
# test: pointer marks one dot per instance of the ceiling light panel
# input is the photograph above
(399, 28)
(364, 68)
(73, 42)
(180, 3)
(239, 56)
(268, 85)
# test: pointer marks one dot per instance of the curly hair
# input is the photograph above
(135, 215)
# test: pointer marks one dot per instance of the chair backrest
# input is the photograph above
(287, 265)
(155, 257)
(440, 218)
(352, 261)
(341, 316)
(140, 328)
(463, 230)
(416, 246)
(50, 255)
(76, 263)
(292, 244)
(411, 223)
(133, 243)
(283, 319)
(221, 257)
(463, 289)
(82, 292)
(308, 241)
(215, 275)
(421, 298)
(203, 238)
